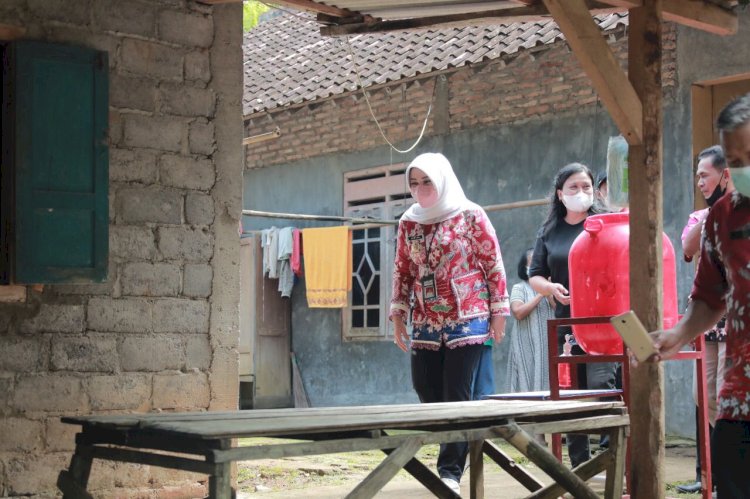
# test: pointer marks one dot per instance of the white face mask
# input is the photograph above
(578, 203)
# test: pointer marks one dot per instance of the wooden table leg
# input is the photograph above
(476, 467)
(386, 470)
(220, 483)
(513, 468)
(73, 481)
(615, 472)
(540, 456)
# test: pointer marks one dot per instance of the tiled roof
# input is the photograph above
(287, 60)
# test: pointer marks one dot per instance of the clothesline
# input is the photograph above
(372, 223)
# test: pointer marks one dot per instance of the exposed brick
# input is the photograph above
(50, 393)
(224, 378)
(164, 134)
(150, 279)
(56, 319)
(183, 100)
(61, 10)
(130, 242)
(181, 316)
(127, 165)
(84, 353)
(198, 66)
(201, 138)
(121, 392)
(185, 243)
(126, 481)
(23, 354)
(197, 280)
(6, 393)
(132, 93)
(488, 94)
(152, 353)
(121, 315)
(126, 16)
(192, 30)
(35, 475)
(197, 352)
(21, 435)
(199, 209)
(82, 35)
(181, 391)
(187, 172)
(60, 436)
(149, 204)
(151, 59)
(115, 127)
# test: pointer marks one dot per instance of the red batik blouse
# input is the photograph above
(723, 281)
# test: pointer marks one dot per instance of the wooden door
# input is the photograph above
(273, 314)
(709, 98)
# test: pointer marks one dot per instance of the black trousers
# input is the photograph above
(731, 458)
(593, 376)
(446, 375)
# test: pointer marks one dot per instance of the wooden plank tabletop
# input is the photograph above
(270, 422)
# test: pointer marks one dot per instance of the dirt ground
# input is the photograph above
(336, 475)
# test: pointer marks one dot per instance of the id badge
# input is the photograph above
(429, 288)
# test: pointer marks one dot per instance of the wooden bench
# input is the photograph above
(205, 441)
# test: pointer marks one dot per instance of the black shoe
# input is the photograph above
(689, 488)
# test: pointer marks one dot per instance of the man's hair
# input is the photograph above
(716, 155)
(734, 115)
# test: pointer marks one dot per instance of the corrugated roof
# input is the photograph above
(287, 61)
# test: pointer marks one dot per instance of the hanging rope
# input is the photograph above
(372, 113)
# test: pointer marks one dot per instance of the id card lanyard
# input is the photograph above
(429, 286)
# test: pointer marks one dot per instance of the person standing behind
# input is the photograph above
(722, 285)
(713, 181)
(528, 357)
(448, 256)
(571, 202)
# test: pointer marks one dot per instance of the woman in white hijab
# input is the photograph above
(448, 257)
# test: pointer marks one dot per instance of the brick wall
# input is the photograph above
(160, 334)
(537, 84)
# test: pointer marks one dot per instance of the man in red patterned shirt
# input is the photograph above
(723, 284)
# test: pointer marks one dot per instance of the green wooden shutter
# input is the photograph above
(59, 116)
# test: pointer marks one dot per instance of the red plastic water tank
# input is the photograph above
(599, 266)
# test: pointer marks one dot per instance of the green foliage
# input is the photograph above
(251, 11)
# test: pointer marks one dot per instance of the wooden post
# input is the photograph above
(646, 224)
(476, 469)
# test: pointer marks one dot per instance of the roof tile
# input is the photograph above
(287, 60)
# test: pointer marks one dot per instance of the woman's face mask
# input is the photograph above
(426, 195)
(422, 189)
(578, 203)
(741, 179)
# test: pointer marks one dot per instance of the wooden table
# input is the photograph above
(208, 440)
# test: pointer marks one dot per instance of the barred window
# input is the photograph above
(378, 193)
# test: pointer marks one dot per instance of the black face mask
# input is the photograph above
(718, 192)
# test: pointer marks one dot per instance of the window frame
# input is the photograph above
(380, 193)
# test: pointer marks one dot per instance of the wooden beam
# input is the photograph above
(697, 14)
(646, 226)
(535, 12)
(598, 61)
(11, 32)
(316, 7)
